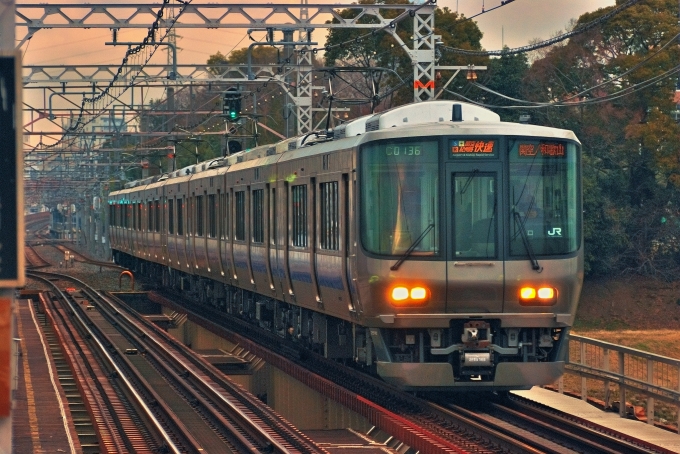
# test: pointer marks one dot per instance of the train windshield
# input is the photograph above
(400, 197)
(544, 198)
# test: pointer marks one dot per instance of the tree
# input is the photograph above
(504, 75)
(631, 144)
(353, 48)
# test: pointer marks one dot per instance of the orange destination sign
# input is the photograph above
(473, 147)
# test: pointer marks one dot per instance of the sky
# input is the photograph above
(514, 25)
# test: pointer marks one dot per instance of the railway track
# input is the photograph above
(184, 399)
(507, 426)
(33, 259)
(543, 429)
(445, 428)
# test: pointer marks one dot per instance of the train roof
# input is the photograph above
(463, 118)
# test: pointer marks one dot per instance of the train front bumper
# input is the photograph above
(437, 376)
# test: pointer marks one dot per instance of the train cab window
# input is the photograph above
(180, 216)
(400, 197)
(474, 215)
(258, 216)
(171, 216)
(212, 216)
(299, 215)
(544, 198)
(329, 236)
(199, 215)
(240, 224)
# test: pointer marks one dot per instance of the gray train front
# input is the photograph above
(430, 243)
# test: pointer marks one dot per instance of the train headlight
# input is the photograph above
(546, 293)
(541, 296)
(404, 296)
(400, 293)
(527, 293)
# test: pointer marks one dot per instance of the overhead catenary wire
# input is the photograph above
(549, 42)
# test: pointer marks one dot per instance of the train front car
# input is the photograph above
(471, 259)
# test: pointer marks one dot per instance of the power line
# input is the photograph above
(546, 43)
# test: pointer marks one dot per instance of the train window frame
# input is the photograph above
(240, 215)
(438, 242)
(329, 215)
(149, 215)
(299, 231)
(171, 216)
(257, 207)
(226, 217)
(180, 216)
(157, 216)
(199, 212)
(273, 225)
(518, 251)
(212, 216)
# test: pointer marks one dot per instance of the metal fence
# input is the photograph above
(612, 372)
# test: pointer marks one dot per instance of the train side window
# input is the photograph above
(329, 205)
(157, 216)
(138, 207)
(149, 216)
(299, 215)
(199, 215)
(180, 216)
(225, 217)
(171, 216)
(212, 216)
(273, 218)
(240, 224)
(258, 216)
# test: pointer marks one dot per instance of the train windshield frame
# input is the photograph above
(544, 197)
(400, 198)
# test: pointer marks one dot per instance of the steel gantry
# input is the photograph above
(303, 17)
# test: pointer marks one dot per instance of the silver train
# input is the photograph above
(431, 243)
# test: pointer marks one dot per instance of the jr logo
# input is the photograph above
(555, 231)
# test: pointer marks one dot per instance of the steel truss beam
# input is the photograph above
(101, 74)
(199, 16)
(304, 17)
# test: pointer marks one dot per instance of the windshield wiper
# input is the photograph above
(410, 249)
(527, 245)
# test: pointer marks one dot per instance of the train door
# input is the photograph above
(475, 273)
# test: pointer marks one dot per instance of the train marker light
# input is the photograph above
(399, 293)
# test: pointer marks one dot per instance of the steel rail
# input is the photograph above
(122, 375)
(157, 339)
